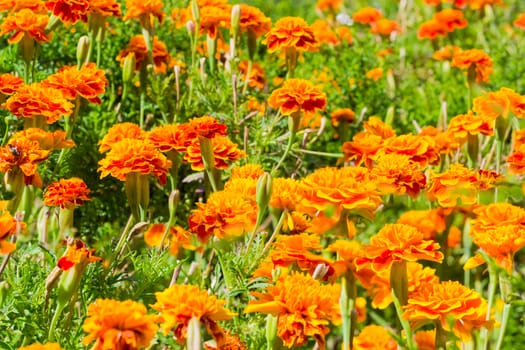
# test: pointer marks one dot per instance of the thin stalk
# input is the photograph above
(54, 321)
(291, 140)
(404, 323)
(275, 232)
(504, 321)
(247, 79)
(499, 145)
(490, 301)
(317, 153)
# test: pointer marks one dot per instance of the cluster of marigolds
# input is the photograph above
(313, 280)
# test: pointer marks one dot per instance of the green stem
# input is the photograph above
(504, 321)
(404, 323)
(275, 232)
(317, 153)
(499, 144)
(490, 301)
(291, 140)
(54, 321)
(247, 79)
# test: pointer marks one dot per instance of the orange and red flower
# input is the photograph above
(291, 32)
(38, 346)
(144, 10)
(25, 23)
(47, 140)
(69, 11)
(137, 46)
(105, 8)
(23, 154)
(297, 95)
(475, 61)
(367, 15)
(9, 84)
(374, 337)
(253, 19)
(67, 193)
(119, 132)
(76, 253)
(8, 227)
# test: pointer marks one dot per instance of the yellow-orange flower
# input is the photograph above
(67, 193)
(500, 103)
(105, 8)
(224, 151)
(397, 242)
(420, 149)
(171, 137)
(479, 4)
(37, 6)
(446, 53)
(462, 126)
(376, 126)
(253, 19)
(47, 140)
(362, 149)
(227, 342)
(304, 308)
(374, 74)
(176, 238)
(38, 346)
(25, 22)
(374, 337)
(144, 9)
(492, 216)
(291, 32)
(328, 5)
(397, 174)
(297, 95)
(451, 19)
(385, 26)
(432, 29)
(116, 324)
(38, 100)
(520, 21)
(342, 115)
(137, 46)
(248, 171)
(214, 14)
(441, 302)
(257, 78)
(429, 222)
(88, 82)
(180, 303)
(76, 253)
(456, 186)
(69, 11)
(367, 15)
(8, 227)
(516, 161)
(425, 340)
(119, 132)
(9, 83)
(130, 155)
(474, 60)
(518, 139)
(325, 34)
(207, 127)
(23, 154)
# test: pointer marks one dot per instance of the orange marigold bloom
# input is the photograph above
(119, 132)
(374, 74)
(328, 5)
(170, 137)
(429, 222)
(349, 188)
(420, 149)
(37, 6)
(88, 82)
(286, 194)
(325, 34)
(397, 242)
(446, 53)
(207, 127)
(464, 125)
(441, 302)
(130, 155)
(224, 151)
(67, 193)
(374, 337)
(432, 29)
(105, 8)
(518, 139)
(214, 14)
(367, 15)
(253, 19)
(9, 84)
(342, 115)
(444, 143)
(137, 46)
(69, 11)
(47, 140)
(456, 186)
(248, 171)
(500, 103)
(226, 342)
(291, 32)
(516, 161)
(479, 4)
(376, 126)
(180, 303)
(520, 21)
(257, 77)
(451, 19)
(76, 253)
(362, 149)
(492, 216)
(474, 60)
(39, 100)
(176, 238)
(425, 340)
(297, 95)
(8, 227)
(385, 26)
(224, 215)
(397, 174)
(38, 346)
(304, 307)
(23, 154)
(144, 10)
(25, 23)
(116, 324)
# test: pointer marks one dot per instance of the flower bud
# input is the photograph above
(190, 27)
(263, 191)
(193, 342)
(128, 70)
(236, 20)
(252, 43)
(195, 11)
(83, 50)
(271, 330)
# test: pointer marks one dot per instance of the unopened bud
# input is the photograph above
(236, 19)
(128, 70)
(320, 271)
(271, 330)
(82, 50)
(195, 11)
(190, 27)
(263, 190)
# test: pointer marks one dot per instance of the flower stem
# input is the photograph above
(58, 311)
(404, 323)
(504, 321)
(291, 140)
(490, 301)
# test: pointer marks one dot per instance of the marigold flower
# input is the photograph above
(328, 5)
(224, 151)
(291, 32)
(286, 194)
(248, 171)
(116, 324)
(9, 84)
(47, 140)
(253, 19)
(227, 342)
(520, 21)
(170, 137)
(367, 15)
(440, 302)
(362, 149)
(374, 337)
(35, 100)
(518, 139)
(456, 186)
(69, 11)
(464, 125)
(137, 46)
(23, 154)
(76, 253)
(479, 4)
(432, 29)
(207, 126)
(325, 34)
(500, 103)
(446, 53)
(478, 60)
(297, 95)
(37, 6)
(420, 149)
(493, 216)
(374, 74)
(38, 346)
(25, 22)
(180, 303)
(397, 242)
(348, 188)
(214, 14)
(177, 237)
(130, 155)
(342, 115)
(429, 222)
(397, 174)
(516, 161)
(88, 82)
(444, 142)
(385, 26)
(304, 307)
(257, 78)
(119, 132)
(144, 9)
(67, 193)
(105, 8)
(452, 19)
(376, 126)
(8, 227)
